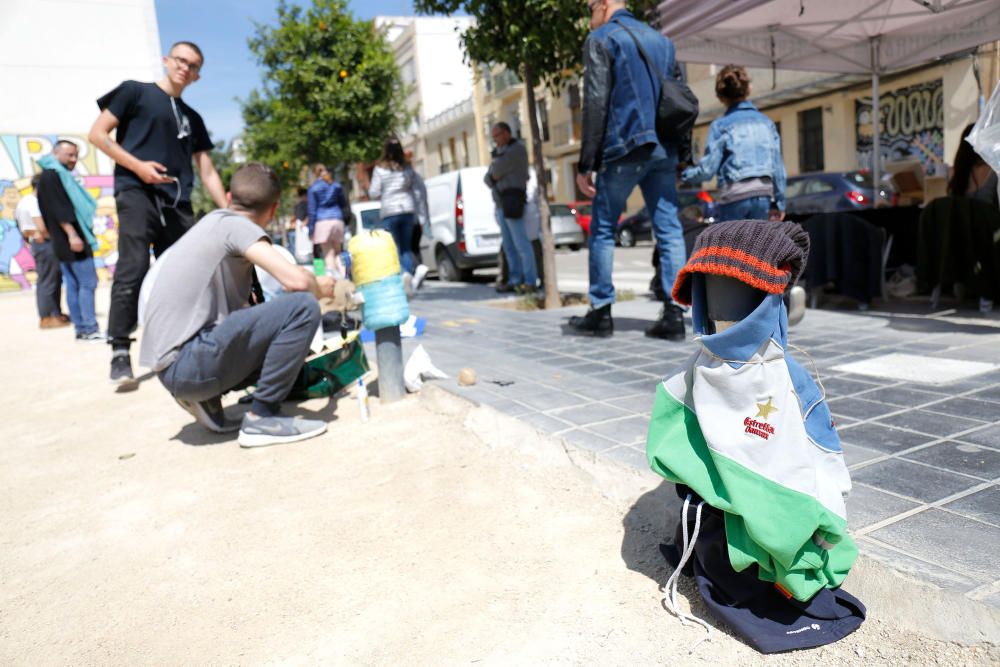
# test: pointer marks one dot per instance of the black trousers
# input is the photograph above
(143, 221)
(268, 342)
(48, 288)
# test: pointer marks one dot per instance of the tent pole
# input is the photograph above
(876, 119)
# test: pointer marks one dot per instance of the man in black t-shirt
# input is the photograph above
(157, 138)
(76, 260)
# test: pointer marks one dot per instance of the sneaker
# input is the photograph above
(121, 368)
(64, 318)
(209, 414)
(597, 322)
(504, 288)
(92, 337)
(408, 283)
(418, 276)
(263, 431)
(670, 325)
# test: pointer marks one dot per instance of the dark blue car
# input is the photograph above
(834, 191)
(692, 205)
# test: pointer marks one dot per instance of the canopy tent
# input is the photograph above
(841, 36)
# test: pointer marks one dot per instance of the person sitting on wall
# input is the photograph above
(199, 333)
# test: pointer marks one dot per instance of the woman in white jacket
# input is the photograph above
(402, 194)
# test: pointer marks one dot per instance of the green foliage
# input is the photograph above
(331, 90)
(222, 158)
(545, 35)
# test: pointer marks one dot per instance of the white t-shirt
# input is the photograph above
(25, 213)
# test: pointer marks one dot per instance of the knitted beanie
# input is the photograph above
(764, 254)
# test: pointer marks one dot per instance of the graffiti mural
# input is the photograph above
(18, 156)
(912, 126)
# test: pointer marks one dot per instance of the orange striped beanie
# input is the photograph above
(766, 255)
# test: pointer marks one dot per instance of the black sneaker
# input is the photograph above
(597, 322)
(504, 288)
(670, 325)
(209, 414)
(121, 368)
(92, 337)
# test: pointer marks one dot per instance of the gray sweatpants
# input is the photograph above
(271, 340)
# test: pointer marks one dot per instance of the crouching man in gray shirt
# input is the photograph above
(202, 337)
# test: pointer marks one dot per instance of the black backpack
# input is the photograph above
(677, 108)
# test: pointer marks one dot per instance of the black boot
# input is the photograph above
(597, 322)
(670, 325)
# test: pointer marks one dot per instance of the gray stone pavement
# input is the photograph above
(924, 457)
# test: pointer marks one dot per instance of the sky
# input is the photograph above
(221, 29)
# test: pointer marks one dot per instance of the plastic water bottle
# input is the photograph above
(363, 400)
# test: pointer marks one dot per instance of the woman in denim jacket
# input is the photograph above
(743, 151)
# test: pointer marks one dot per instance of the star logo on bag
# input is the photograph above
(765, 409)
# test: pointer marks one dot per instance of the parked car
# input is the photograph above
(704, 199)
(834, 191)
(634, 228)
(582, 211)
(565, 229)
(464, 233)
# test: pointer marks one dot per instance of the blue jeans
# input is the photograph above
(81, 281)
(517, 251)
(401, 228)
(753, 208)
(615, 182)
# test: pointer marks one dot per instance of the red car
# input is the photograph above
(582, 211)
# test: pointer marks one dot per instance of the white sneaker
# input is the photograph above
(408, 284)
(418, 276)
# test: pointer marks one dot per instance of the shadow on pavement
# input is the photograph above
(940, 325)
(621, 324)
(648, 523)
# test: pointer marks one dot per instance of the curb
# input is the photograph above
(888, 593)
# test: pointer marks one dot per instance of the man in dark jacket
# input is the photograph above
(76, 259)
(620, 143)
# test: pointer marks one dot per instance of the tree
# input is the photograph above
(542, 41)
(331, 90)
(222, 158)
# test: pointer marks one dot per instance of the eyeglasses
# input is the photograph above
(194, 68)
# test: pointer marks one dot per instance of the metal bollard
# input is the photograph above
(389, 353)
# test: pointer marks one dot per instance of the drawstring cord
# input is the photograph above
(670, 588)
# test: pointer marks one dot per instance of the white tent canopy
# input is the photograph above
(842, 36)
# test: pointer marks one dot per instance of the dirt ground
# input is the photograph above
(131, 536)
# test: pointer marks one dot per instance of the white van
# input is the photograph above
(464, 232)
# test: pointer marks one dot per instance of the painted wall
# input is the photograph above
(18, 154)
(50, 94)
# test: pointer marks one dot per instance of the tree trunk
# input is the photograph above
(552, 298)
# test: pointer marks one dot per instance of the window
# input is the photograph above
(794, 188)
(817, 187)
(408, 72)
(543, 118)
(811, 140)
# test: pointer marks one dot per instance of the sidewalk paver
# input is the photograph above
(924, 457)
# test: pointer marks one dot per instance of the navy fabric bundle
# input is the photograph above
(755, 610)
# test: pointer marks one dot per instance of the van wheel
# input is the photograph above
(446, 267)
(626, 238)
(573, 247)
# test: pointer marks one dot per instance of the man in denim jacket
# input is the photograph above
(620, 144)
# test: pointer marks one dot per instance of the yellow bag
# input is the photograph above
(373, 257)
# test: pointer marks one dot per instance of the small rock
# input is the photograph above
(122, 457)
(466, 377)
